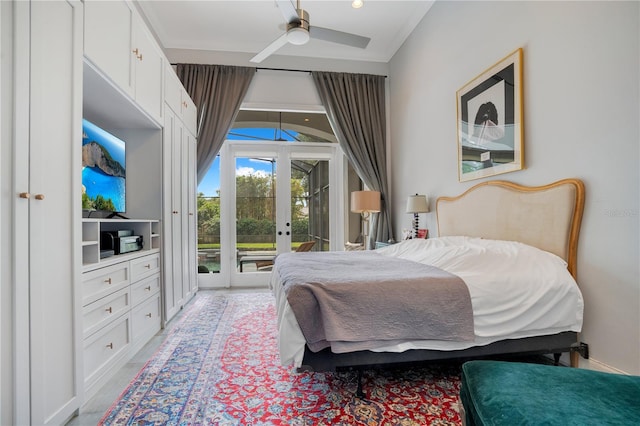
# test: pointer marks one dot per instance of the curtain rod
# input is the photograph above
(281, 69)
(284, 69)
(269, 69)
(291, 70)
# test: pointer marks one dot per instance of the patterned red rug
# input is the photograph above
(219, 365)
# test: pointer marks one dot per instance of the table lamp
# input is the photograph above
(417, 204)
(365, 203)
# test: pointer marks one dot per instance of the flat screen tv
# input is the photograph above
(103, 170)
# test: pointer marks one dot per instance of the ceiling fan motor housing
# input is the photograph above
(298, 31)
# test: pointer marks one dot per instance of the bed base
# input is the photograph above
(555, 344)
(326, 360)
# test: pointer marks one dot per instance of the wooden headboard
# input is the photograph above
(547, 217)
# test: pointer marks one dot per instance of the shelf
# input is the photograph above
(92, 228)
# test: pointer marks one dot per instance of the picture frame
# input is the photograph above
(490, 121)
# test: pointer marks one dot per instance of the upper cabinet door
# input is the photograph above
(177, 98)
(118, 43)
(108, 40)
(189, 114)
(149, 65)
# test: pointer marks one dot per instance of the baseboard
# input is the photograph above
(594, 364)
(589, 364)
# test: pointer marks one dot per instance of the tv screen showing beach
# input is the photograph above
(103, 170)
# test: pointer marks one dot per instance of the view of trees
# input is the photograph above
(255, 209)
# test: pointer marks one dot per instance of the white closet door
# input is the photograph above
(192, 220)
(51, 204)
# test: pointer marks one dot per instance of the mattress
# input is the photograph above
(516, 291)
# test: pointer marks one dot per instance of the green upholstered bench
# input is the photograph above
(513, 393)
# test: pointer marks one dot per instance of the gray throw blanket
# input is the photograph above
(364, 300)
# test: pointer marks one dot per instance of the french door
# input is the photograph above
(274, 197)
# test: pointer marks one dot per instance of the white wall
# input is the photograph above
(581, 118)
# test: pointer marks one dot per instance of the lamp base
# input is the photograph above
(365, 230)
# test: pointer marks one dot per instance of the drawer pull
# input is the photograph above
(108, 280)
(110, 346)
(148, 288)
(109, 309)
(149, 315)
(148, 266)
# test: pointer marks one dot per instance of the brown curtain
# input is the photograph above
(217, 91)
(355, 105)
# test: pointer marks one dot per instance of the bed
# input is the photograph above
(513, 247)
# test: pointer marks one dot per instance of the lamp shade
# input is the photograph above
(417, 204)
(365, 201)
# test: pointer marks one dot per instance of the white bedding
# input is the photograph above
(516, 291)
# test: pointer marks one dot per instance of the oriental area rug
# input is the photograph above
(219, 365)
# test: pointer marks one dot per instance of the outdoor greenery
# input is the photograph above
(255, 211)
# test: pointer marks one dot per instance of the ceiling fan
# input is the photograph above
(299, 30)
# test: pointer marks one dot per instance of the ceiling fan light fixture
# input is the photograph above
(357, 4)
(297, 36)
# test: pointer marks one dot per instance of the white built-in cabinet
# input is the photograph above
(121, 307)
(180, 210)
(47, 117)
(117, 42)
(121, 295)
(76, 317)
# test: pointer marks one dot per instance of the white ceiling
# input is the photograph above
(250, 25)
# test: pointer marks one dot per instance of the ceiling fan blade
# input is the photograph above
(340, 37)
(288, 10)
(270, 49)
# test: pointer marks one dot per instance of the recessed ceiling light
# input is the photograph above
(357, 4)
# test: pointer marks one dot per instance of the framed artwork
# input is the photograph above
(490, 128)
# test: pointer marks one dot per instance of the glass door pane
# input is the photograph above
(255, 213)
(209, 221)
(310, 204)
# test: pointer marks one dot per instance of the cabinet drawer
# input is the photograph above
(144, 289)
(99, 313)
(145, 266)
(145, 319)
(104, 346)
(101, 282)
